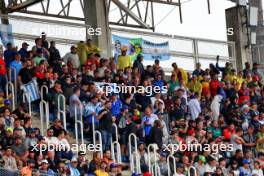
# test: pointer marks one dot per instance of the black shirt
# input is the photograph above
(26, 75)
(105, 123)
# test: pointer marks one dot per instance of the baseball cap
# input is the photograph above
(25, 43)
(245, 161)
(163, 154)
(179, 165)
(202, 158)
(7, 102)
(44, 161)
(74, 159)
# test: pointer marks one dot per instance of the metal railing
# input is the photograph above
(174, 164)
(154, 147)
(131, 158)
(78, 120)
(12, 71)
(63, 110)
(155, 170)
(96, 132)
(44, 112)
(26, 98)
(11, 86)
(194, 170)
(44, 87)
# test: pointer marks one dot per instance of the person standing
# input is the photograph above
(124, 60)
(105, 124)
(16, 65)
(72, 58)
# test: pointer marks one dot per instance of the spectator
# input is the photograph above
(105, 124)
(9, 54)
(24, 51)
(71, 59)
(54, 53)
(124, 61)
(27, 170)
(9, 160)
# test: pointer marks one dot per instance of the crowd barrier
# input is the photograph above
(11, 86)
(194, 171)
(63, 110)
(78, 120)
(14, 81)
(96, 132)
(26, 99)
(155, 170)
(44, 87)
(174, 164)
(154, 147)
(44, 112)
(134, 168)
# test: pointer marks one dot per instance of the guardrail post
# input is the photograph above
(134, 168)
(44, 113)
(11, 85)
(62, 111)
(155, 154)
(189, 171)
(174, 164)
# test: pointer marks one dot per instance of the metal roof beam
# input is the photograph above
(22, 5)
(130, 13)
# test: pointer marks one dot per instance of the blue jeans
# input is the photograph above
(106, 140)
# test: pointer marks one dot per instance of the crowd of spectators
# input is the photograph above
(218, 106)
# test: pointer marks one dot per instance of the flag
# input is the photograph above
(6, 34)
(32, 90)
(149, 50)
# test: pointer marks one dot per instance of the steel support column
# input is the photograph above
(96, 16)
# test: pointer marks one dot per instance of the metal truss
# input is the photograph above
(127, 13)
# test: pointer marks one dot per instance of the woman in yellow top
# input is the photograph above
(91, 48)
(82, 52)
(124, 60)
(179, 72)
(194, 85)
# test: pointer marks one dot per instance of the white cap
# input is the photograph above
(44, 161)
(74, 159)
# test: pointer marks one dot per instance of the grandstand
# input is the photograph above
(89, 88)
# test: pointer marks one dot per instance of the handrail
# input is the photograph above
(27, 96)
(155, 154)
(42, 89)
(80, 122)
(133, 169)
(116, 156)
(155, 169)
(15, 80)
(100, 142)
(62, 111)
(174, 164)
(41, 105)
(189, 171)
(11, 85)
(116, 131)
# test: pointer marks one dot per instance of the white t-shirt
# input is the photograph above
(236, 146)
(195, 108)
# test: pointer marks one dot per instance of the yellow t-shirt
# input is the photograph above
(101, 173)
(124, 62)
